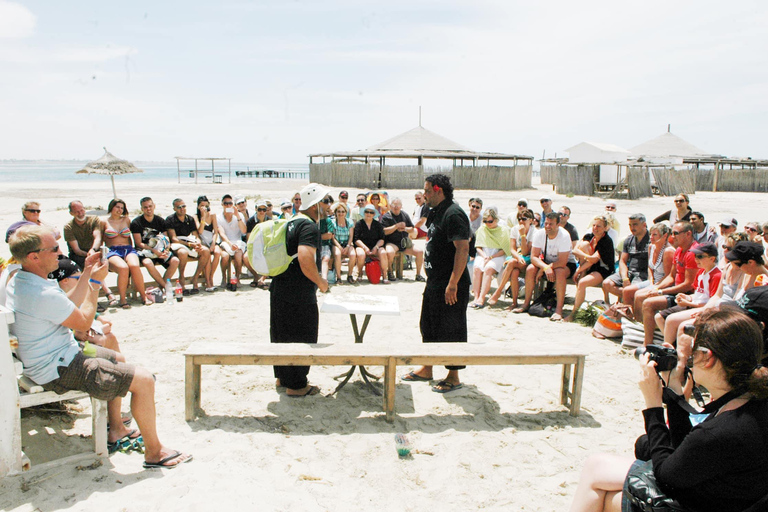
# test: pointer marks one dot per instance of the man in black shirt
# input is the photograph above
(565, 217)
(446, 294)
(292, 294)
(397, 230)
(182, 230)
(145, 229)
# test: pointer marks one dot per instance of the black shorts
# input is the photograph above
(674, 309)
(571, 266)
(101, 376)
(443, 323)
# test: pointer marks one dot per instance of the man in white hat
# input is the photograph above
(293, 293)
(546, 208)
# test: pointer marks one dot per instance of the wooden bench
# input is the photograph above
(387, 355)
(18, 392)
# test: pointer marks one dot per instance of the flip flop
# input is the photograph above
(313, 390)
(475, 305)
(414, 377)
(162, 463)
(114, 301)
(127, 443)
(194, 291)
(254, 284)
(446, 387)
(125, 305)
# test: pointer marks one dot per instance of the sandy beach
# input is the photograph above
(502, 442)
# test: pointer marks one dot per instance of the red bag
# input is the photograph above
(373, 271)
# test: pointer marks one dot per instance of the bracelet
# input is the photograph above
(94, 281)
(96, 315)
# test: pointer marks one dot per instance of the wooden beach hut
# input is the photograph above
(404, 160)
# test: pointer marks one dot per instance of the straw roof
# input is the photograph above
(602, 146)
(668, 145)
(421, 143)
(109, 164)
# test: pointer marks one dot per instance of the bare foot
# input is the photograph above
(520, 310)
(557, 317)
(511, 308)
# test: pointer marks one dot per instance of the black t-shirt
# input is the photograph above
(368, 236)
(637, 250)
(447, 223)
(250, 224)
(605, 249)
(147, 229)
(184, 227)
(390, 219)
(571, 231)
(292, 285)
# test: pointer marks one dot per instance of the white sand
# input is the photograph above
(502, 442)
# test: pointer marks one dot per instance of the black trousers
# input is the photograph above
(292, 323)
(440, 322)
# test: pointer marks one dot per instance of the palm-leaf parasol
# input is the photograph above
(109, 164)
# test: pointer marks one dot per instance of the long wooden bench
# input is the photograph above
(390, 356)
(18, 392)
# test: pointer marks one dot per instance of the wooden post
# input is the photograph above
(10, 427)
(717, 175)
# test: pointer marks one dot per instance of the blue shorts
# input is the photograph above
(121, 251)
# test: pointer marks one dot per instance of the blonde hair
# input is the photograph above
(28, 204)
(337, 205)
(491, 213)
(27, 239)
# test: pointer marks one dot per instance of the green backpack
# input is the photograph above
(267, 249)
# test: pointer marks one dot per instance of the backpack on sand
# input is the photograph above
(267, 249)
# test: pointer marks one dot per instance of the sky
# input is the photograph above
(273, 81)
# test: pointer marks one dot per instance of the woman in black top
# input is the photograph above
(682, 211)
(597, 260)
(715, 461)
(369, 241)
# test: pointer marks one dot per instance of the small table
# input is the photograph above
(354, 305)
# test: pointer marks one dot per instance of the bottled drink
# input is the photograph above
(233, 284)
(179, 292)
(168, 291)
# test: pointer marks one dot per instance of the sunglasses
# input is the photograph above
(361, 200)
(689, 361)
(327, 200)
(32, 210)
(227, 203)
(368, 212)
(612, 208)
(261, 209)
(55, 248)
(677, 233)
(284, 208)
(702, 256)
(544, 201)
(475, 207)
(489, 221)
(296, 199)
(181, 206)
(343, 196)
(747, 228)
(679, 200)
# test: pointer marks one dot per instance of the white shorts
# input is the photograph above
(238, 244)
(496, 263)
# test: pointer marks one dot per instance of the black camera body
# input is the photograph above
(666, 358)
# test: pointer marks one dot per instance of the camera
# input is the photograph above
(666, 358)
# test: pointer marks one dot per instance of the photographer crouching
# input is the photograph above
(715, 459)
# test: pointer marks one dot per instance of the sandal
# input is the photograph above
(163, 463)
(313, 390)
(113, 301)
(148, 302)
(125, 305)
(351, 280)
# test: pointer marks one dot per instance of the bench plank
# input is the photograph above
(389, 355)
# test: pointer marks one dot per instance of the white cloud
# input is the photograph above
(16, 21)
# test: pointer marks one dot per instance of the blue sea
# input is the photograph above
(15, 171)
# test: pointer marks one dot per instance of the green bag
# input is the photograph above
(267, 250)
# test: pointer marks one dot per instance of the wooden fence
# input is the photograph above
(671, 182)
(368, 176)
(733, 180)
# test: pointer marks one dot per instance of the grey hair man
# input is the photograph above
(633, 263)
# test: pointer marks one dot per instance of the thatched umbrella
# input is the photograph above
(109, 164)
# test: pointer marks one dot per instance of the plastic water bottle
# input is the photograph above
(179, 292)
(168, 291)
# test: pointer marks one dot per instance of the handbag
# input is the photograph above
(545, 304)
(633, 334)
(642, 491)
(373, 271)
(608, 324)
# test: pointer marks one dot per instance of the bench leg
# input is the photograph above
(390, 376)
(191, 389)
(578, 379)
(565, 385)
(99, 426)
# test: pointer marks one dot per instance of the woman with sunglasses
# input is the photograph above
(343, 233)
(209, 232)
(597, 260)
(709, 461)
(368, 238)
(520, 243)
(660, 264)
(681, 211)
(493, 247)
(31, 213)
(754, 232)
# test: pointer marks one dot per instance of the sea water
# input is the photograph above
(16, 171)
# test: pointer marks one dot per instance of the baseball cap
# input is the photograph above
(67, 267)
(707, 248)
(16, 225)
(369, 208)
(729, 222)
(545, 197)
(745, 251)
(239, 199)
(285, 202)
(754, 302)
(261, 202)
(522, 201)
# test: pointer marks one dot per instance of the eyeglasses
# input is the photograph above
(32, 210)
(53, 249)
(261, 209)
(227, 203)
(475, 207)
